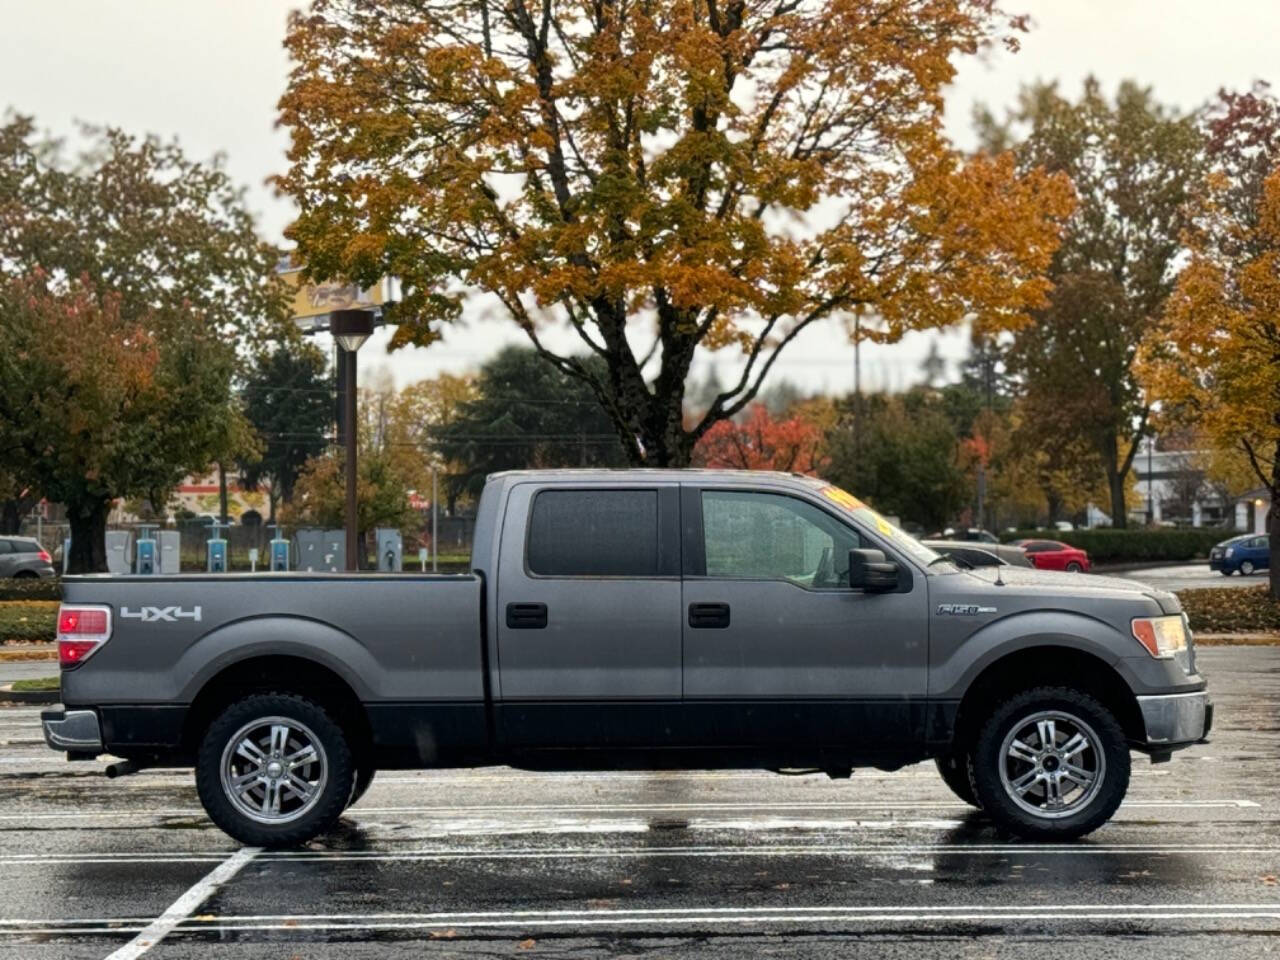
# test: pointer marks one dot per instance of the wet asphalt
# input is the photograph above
(714, 864)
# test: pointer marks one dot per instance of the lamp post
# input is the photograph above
(351, 328)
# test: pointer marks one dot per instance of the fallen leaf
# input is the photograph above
(444, 934)
(526, 944)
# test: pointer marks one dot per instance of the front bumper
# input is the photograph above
(1176, 718)
(75, 731)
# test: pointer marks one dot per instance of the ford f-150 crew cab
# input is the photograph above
(636, 619)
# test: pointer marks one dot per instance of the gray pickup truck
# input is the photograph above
(640, 619)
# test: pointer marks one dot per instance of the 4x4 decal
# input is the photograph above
(160, 614)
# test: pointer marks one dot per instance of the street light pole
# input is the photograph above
(351, 328)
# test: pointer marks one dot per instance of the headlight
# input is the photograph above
(1230, 551)
(1162, 636)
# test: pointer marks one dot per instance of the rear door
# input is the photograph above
(588, 608)
(778, 649)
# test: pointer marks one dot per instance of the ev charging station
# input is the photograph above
(217, 548)
(390, 549)
(146, 555)
(279, 550)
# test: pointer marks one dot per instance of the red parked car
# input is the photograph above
(1053, 555)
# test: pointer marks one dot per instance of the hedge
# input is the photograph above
(22, 622)
(1231, 609)
(1133, 546)
(30, 588)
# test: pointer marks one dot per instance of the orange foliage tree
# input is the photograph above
(659, 178)
(761, 442)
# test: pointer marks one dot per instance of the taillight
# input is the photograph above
(81, 630)
(44, 557)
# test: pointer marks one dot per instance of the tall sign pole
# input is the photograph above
(351, 328)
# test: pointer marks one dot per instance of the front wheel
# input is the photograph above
(274, 770)
(1051, 764)
(1074, 567)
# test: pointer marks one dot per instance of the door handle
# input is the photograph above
(709, 616)
(526, 616)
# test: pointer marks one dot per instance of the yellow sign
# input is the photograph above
(312, 300)
(845, 499)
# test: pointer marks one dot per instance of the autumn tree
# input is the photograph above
(97, 404)
(287, 396)
(1217, 359)
(658, 180)
(759, 441)
(1134, 164)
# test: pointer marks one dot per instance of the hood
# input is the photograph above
(1082, 585)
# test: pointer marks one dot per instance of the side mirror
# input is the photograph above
(870, 572)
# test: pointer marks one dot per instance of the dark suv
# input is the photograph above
(24, 557)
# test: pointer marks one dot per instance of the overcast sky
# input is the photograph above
(209, 72)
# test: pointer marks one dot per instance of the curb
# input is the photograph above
(32, 696)
(28, 656)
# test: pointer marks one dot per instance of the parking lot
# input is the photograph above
(718, 864)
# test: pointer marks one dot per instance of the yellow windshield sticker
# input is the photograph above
(883, 526)
(846, 500)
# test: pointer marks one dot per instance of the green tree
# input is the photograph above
(96, 405)
(141, 223)
(288, 398)
(907, 464)
(633, 172)
(526, 414)
(1134, 163)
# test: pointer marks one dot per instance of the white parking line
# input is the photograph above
(525, 810)
(185, 905)
(666, 916)
(868, 850)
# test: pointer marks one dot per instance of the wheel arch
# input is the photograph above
(1048, 665)
(277, 673)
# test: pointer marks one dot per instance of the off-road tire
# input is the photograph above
(1012, 713)
(360, 783)
(954, 768)
(334, 794)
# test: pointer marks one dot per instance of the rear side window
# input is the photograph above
(6, 546)
(594, 533)
(1038, 546)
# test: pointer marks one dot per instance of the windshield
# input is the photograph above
(904, 541)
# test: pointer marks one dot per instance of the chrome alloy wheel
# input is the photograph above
(274, 769)
(1052, 764)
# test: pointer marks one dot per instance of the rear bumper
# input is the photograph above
(1176, 719)
(75, 731)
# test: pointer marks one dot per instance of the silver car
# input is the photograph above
(975, 555)
(24, 557)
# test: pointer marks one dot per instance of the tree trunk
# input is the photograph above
(1109, 448)
(10, 517)
(1273, 523)
(222, 493)
(88, 536)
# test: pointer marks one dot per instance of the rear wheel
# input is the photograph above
(1074, 567)
(1051, 764)
(1246, 568)
(274, 770)
(954, 768)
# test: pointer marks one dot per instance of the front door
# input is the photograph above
(777, 648)
(589, 616)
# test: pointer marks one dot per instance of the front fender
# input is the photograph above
(955, 665)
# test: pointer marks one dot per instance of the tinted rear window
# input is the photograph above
(594, 533)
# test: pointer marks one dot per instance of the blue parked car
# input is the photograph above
(1247, 553)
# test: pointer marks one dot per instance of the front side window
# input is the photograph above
(594, 533)
(774, 537)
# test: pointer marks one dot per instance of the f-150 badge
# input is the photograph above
(160, 614)
(963, 609)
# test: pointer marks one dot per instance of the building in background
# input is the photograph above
(1173, 490)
